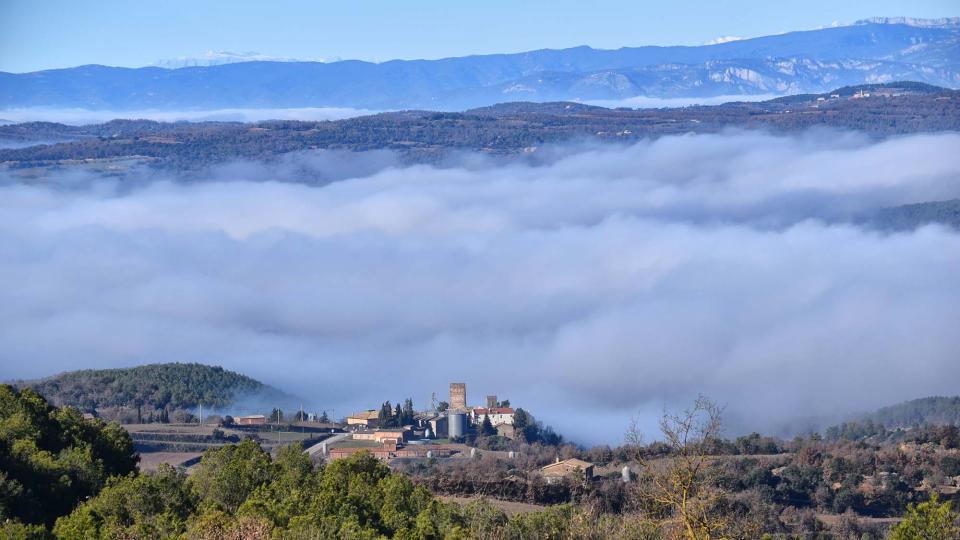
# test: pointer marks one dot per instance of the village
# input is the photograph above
(444, 432)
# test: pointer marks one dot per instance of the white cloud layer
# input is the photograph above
(588, 288)
(646, 102)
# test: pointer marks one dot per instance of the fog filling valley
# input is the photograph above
(588, 286)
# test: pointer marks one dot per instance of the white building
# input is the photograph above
(497, 415)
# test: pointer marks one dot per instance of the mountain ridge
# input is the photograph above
(794, 62)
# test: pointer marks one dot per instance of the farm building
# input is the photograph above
(364, 418)
(438, 426)
(555, 472)
(379, 435)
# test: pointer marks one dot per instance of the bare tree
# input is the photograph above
(680, 482)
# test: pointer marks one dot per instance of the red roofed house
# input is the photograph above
(497, 415)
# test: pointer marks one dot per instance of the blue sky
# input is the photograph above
(36, 34)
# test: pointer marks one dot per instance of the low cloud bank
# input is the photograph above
(79, 117)
(647, 102)
(589, 288)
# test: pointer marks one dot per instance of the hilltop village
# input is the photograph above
(447, 430)
(403, 433)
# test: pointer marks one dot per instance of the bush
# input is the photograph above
(930, 520)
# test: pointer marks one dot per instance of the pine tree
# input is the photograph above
(385, 415)
(408, 412)
(486, 427)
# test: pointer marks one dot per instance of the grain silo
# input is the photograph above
(456, 423)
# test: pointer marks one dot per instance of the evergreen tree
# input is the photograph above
(525, 426)
(486, 427)
(408, 412)
(385, 416)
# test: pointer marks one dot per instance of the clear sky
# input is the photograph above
(38, 34)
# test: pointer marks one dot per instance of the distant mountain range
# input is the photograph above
(871, 51)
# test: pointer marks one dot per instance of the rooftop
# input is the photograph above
(568, 464)
(495, 410)
(366, 415)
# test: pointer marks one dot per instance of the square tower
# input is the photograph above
(491, 402)
(458, 395)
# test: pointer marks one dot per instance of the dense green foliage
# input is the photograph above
(51, 458)
(240, 492)
(161, 387)
(136, 506)
(930, 520)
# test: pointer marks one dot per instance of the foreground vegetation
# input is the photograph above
(65, 477)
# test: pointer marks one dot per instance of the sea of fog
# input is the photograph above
(599, 284)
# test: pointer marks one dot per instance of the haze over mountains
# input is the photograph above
(871, 51)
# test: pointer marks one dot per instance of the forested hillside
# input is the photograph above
(936, 410)
(911, 216)
(51, 459)
(504, 129)
(905, 421)
(153, 387)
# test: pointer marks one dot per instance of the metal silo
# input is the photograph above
(456, 423)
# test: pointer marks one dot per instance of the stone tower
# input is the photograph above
(491, 402)
(458, 395)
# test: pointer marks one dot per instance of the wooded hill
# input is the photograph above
(169, 387)
(902, 422)
(937, 410)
